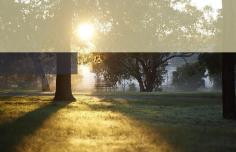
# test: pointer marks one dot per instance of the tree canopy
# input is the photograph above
(120, 25)
(147, 69)
(189, 77)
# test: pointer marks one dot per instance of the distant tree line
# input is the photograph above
(149, 69)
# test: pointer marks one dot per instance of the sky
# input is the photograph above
(215, 4)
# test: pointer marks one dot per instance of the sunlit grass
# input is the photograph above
(115, 124)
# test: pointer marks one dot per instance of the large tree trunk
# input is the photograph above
(141, 87)
(149, 89)
(149, 82)
(145, 87)
(63, 88)
(63, 79)
(228, 86)
(228, 63)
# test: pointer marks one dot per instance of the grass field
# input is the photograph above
(120, 123)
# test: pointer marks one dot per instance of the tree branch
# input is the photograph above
(182, 55)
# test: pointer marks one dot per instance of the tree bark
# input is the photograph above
(63, 79)
(228, 86)
(228, 63)
(141, 86)
(145, 87)
(150, 80)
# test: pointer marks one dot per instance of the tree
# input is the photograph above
(25, 76)
(151, 26)
(228, 89)
(213, 63)
(147, 27)
(228, 60)
(40, 26)
(147, 68)
(63, 78)
(189, 77)
(35, 64)
(43, 64)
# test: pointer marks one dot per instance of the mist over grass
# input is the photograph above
(122, 122)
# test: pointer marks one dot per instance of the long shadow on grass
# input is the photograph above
(13, 132)
(184, 138)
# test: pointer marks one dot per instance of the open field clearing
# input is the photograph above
(175, 123)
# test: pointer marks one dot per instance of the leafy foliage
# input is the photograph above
(213, 63)
(189, 77)
(121, 25)
(147, 69)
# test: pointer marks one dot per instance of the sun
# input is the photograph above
(85, 32)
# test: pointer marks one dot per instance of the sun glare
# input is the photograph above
(88, 78)
(85, 70)
(85, 32)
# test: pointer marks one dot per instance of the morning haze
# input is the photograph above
(137, 80)
(112, 26)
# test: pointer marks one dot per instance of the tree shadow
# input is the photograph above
(180, 137)
(13, 132)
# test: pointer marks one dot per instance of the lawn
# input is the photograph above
(120, 123)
